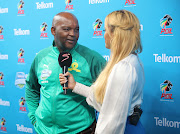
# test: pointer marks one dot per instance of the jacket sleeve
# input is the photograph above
(32, 93)
(117, 100)
(97, 65)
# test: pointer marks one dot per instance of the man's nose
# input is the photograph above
(72, 32)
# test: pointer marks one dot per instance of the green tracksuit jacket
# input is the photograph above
(50, 110)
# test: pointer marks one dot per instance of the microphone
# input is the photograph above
(65, 60)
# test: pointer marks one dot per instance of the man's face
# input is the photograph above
(66, 33)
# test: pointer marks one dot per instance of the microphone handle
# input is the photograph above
(65, 85)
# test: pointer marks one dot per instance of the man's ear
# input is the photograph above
(53, 31)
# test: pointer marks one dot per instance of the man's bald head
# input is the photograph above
(61, 16)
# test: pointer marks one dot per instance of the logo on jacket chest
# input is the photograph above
(45, 74)
(74, 66)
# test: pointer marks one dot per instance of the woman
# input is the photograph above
(119, 87)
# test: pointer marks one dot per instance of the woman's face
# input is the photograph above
(107, 38)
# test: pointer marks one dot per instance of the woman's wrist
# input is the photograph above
(74, 85)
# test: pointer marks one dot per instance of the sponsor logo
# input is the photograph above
(22, 128)
(3, 122)
(69, 5)
(3, 10)
(20, 55)
(1, 31)
(165, 87)
(1, 78)
(96, 26)
(164, 122)
(43, 28)
(20, 81)
(45, 73)
(98, 1)
(130, 3)
(21, 32)
(3, 57)
(164, 23)
(167, 59)
(22, 102)
(43, 5)
(20, 8)
(74, 66)
(106, 57)
(4, 103)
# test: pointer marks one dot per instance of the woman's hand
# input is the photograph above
(71, 81)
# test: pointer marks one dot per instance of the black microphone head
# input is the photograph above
(65, 59)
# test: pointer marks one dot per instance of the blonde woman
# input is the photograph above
(119, 87)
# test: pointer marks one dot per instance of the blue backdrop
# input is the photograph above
(25, 30)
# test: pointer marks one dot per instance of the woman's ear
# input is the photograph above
(112, 28)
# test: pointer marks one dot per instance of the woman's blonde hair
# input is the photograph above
(123, 28)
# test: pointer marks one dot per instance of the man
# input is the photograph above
(56, 112)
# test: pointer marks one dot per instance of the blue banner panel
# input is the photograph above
(25, 29)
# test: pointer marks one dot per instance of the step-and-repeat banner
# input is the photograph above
(25, 29)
